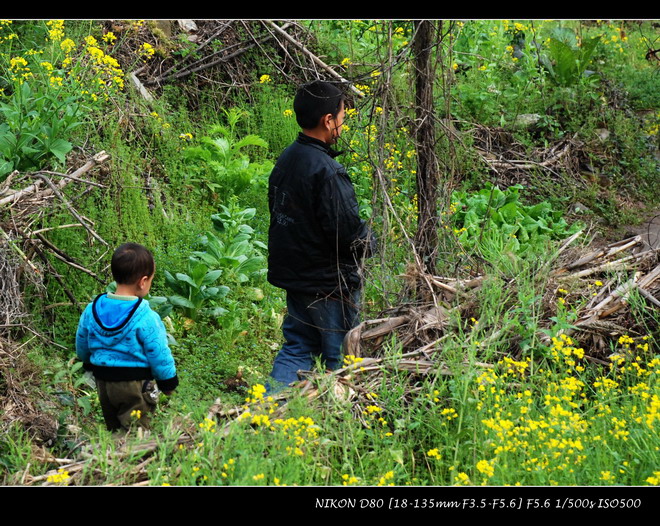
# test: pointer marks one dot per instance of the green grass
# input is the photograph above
(547, 418)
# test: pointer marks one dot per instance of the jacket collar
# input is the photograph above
(306, 139)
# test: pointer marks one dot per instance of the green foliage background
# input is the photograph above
(187, 177)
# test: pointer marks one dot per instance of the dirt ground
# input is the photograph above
(649, 229)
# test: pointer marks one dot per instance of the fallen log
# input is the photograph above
(98, 159)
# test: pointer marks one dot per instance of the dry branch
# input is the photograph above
(72, 210)
(98, 159)
(317, 60)
(206, 65)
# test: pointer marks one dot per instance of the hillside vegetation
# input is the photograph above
(521, 348)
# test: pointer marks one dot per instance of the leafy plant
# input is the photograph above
(567, 60)
(492, 210)
(194, 293)
(224, 166)
(35, 128)
(236, 257)
(239, 255)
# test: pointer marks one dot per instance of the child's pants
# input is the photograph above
(127, 403)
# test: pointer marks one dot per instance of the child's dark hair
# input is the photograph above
(314, 100)
(130, 262)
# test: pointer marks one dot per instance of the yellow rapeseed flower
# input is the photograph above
(461, 479)
(147, 50)
(386, 478)
(56, 31)
(60, 477)
(486, 468)
(654, 480)
(208, 425)
(67, 45)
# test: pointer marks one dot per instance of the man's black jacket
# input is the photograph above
(316, 236)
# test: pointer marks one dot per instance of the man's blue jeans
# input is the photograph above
(314, 326)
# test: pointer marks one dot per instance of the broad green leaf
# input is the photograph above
(60, 148)
(216, 312)
(180, 301)
(211, 277)
(186, 279)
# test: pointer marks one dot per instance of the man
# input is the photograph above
(316, 237)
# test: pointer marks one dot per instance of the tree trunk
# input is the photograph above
(426, 238)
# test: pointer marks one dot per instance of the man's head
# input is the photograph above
(319, 108)
(133, 266)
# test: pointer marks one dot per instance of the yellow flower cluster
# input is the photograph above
(147, 51)
(56, 30)
(67, 45)
(300, 432)
(399, 37)
(264, 79)
(10, 36)
(208, 425)
(393, 160)
(563, 348)
(387, 479)
(19, 69)
(449, 413)
(288, 113)
(261, 420)
(349, 480)
(433, 396)
(256, 394)
(61, 477)
(165, 125)
(228, 468)
(555, 430)
(363, 88)
(107, 72)
(654, 480)
(485, 467)
(350, 359)
(462, 479)
(374, 413)
(515, 367)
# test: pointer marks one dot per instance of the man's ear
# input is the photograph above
(325, 121)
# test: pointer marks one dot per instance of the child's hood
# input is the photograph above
(112, 313)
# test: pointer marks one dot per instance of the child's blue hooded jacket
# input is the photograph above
(125, 340)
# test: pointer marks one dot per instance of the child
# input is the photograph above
(124, 343)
